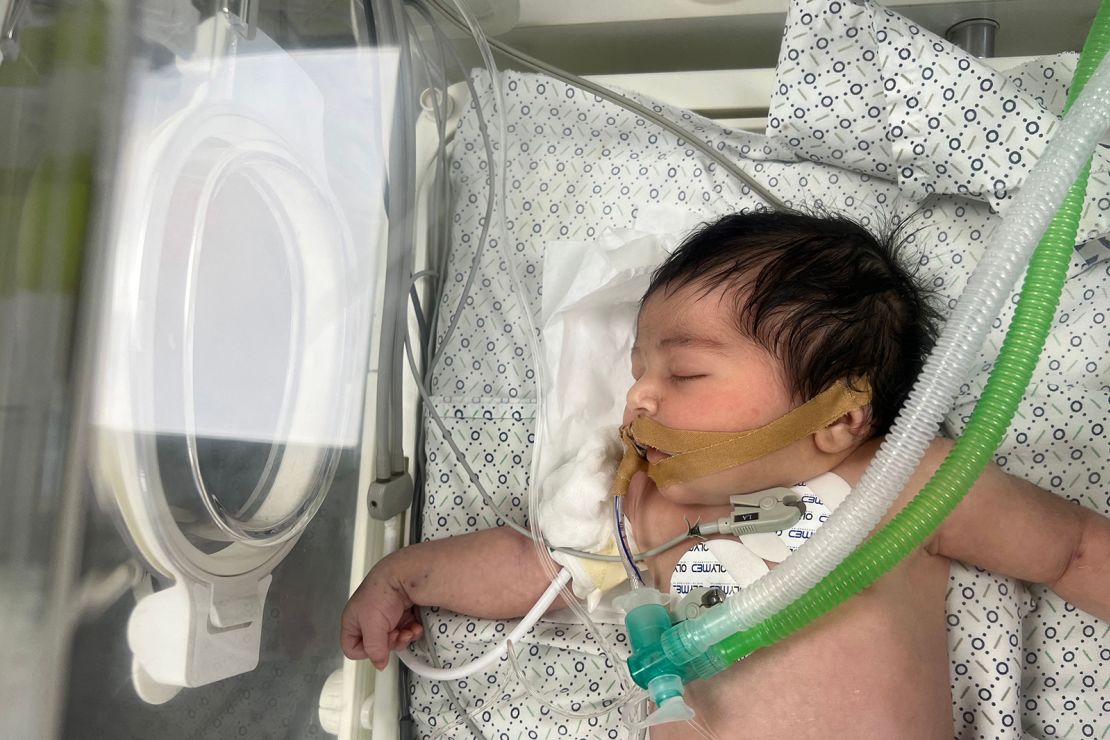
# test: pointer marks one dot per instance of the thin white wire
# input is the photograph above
(498, 184)
(629, 104)
(467, 718)
(450, 674)
(538, 696)
(701, 729)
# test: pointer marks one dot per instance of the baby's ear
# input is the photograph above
(849, 431)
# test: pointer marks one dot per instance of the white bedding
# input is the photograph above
(583, 170)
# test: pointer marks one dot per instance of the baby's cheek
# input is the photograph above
(653, 517)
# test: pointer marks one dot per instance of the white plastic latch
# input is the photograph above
(331, 706)
(192, 634)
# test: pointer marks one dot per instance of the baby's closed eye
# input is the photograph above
(686, 378)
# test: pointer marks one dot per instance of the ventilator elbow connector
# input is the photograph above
(691, 643)
(665, 657)
(648, 620)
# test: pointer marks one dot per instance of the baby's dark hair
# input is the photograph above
(822, 294)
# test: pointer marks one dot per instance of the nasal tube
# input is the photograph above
(790, 596)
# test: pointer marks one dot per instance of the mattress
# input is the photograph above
(579, 167)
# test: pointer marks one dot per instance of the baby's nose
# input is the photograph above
(642, 399)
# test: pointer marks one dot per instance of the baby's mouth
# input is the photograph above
(655, 456)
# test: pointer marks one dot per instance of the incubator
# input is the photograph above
(285, 286)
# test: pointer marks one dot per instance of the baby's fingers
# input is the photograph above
(363, 638)
(375, 614)
(350, 640)
(364, 633)
(402, 637)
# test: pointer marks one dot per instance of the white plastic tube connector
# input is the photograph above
(948, 366)
(450, 674)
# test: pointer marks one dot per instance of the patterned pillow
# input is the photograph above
(862, 88)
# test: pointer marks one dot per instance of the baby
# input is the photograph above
(751, 317)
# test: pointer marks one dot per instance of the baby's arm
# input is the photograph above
(495, 574)
(1008, 525)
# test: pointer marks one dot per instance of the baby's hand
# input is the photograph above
(379, 618)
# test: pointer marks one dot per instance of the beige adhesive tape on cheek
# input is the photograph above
(698, 454)
(632, 463)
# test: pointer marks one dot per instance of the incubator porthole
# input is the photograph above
(238, 474)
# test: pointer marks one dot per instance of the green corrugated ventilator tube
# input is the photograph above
(985, 430)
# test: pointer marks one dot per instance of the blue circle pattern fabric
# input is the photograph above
(1022, 660)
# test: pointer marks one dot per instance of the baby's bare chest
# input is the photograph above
(876, 666)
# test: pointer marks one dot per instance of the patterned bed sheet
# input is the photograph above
(1023, 662)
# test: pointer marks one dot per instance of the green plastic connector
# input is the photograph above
(647, 619)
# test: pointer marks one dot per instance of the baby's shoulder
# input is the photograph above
(852, 468)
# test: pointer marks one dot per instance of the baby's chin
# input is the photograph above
(684, 494)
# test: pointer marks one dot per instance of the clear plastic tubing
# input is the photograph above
(1028, 217)
(500, 216)
(630, 568)
(450, 674)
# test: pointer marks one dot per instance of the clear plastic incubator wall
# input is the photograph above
(286, 285)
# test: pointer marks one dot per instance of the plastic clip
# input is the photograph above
(772, 510)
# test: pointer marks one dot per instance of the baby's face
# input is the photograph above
(694, 371)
